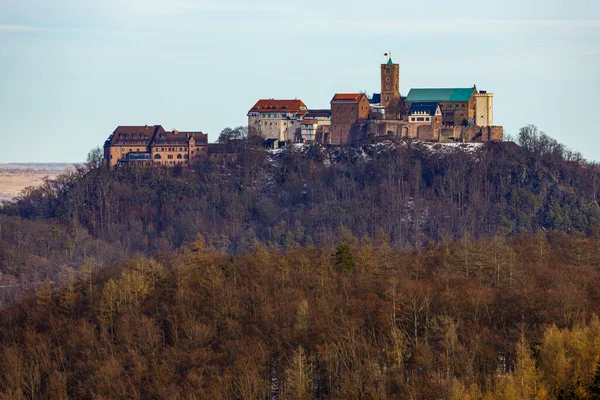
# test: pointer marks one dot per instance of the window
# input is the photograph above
(387, 71)
(387, 79)
(428, 119)
(157, 157)
(412, 119)
(387, 98)
(178, 156)
(170, 156)
(420, 119)
(186, 156)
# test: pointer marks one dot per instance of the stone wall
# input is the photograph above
(436, 133)
(482, 134)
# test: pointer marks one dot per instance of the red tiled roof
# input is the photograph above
(347, 97)
(272, 105)
(309, 121)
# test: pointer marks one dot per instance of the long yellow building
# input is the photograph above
(152, 144)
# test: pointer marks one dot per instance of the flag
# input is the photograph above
(385, 54)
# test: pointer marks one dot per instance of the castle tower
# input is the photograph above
(390, 89)
(484, 108)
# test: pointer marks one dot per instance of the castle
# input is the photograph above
(153, 145)
(440, 115)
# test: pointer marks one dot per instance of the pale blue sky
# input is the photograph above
(72, 70)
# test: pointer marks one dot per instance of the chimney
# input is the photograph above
(175, 131)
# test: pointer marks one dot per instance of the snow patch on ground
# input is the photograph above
(452, 147)
(333, 155)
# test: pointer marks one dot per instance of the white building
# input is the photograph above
(484, 108)
(425, 113)
(277, 119)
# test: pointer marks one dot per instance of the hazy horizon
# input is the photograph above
(74, 70)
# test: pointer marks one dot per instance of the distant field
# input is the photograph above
(16, 177)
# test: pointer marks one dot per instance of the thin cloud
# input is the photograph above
(325, 26)
(238, 8)
(459, 26)
(183, 6)
(20, 28)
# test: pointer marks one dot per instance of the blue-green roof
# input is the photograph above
(428, 95)
(390, 61)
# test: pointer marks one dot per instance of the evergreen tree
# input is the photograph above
(343, 257)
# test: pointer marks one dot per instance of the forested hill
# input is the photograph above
(393, 269)
(404, 193)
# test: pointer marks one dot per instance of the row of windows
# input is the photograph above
(173, 149)
(172, 162)
(170, 156)
(284, 115)
(420, 119)
(159, 149)
(462, 105)
(265, 123)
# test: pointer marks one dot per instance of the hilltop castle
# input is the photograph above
(442, 115)
(439, 115)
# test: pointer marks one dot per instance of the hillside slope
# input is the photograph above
(511, 319)
(403, 193)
